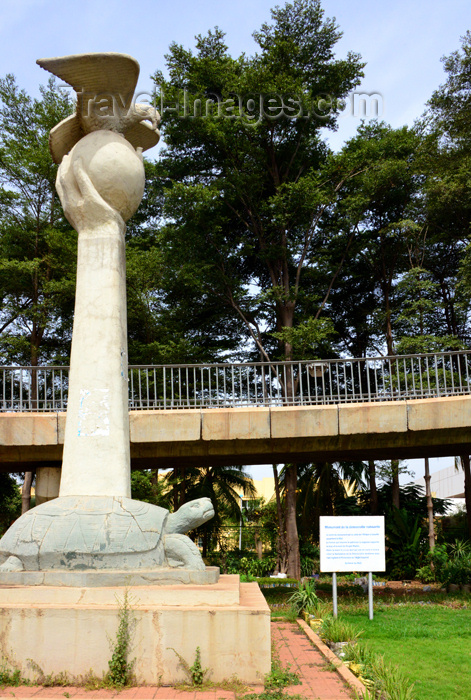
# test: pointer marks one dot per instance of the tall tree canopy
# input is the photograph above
(246, 170)
(37, 246)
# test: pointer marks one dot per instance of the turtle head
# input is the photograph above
(190, 515)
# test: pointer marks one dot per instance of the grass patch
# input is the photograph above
(430, 644)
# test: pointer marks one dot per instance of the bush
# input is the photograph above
(242, 561)
(405, 538)
(436, 561)
(447, 564)
(457, 570)
(335, 630)
(309, 554)
(304, 598)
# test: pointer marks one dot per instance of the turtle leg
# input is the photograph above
(182, 552)
(12, 564)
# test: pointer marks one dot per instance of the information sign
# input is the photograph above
(352, 543)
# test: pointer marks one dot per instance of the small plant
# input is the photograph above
(335, 630)
(196, 673)
(460, 549)
(382, 680)
(280, 677)
(247, 578)
(320, 609)
(366, 695)
(11, 676)
(119, 674)
(304, 598)
(436, 561)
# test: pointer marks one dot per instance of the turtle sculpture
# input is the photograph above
(104, 532)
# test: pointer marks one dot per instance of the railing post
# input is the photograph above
(284, 383)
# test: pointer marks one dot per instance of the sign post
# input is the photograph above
(352, 543)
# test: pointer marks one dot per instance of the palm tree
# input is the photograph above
(322, 488)
(222, 486)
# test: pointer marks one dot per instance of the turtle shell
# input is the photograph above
(82, 532)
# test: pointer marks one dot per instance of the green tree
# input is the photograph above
(221, 485)
(37, 247)
(380, 205)
(448, 120)
(248, 179)
(10, 501)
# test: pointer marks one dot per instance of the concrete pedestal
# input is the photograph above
(48, 480)
(73, 629)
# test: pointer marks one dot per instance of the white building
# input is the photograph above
(447, 483)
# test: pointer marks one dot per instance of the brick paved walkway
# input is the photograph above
(291, 645)
(295, 649)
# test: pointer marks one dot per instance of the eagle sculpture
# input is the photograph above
(105, 85)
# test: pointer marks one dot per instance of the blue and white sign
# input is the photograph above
(352, 543)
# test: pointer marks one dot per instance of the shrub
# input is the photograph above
(304, 598)
(457, 570)
(447, 564)
(335, 630)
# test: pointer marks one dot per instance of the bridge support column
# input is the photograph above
(48, 481)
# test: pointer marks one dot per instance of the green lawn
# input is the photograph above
(430, 643)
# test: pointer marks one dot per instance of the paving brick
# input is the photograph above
(20, 691)
(132, 692)
(295, 651)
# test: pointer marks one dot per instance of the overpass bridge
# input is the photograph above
(363, 408)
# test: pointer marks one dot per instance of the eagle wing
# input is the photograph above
(141, 134)
(97, 74)
(64, 136)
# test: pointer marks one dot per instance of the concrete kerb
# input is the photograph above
(347, 676)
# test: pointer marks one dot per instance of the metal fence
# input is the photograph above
(33, 388)
(318, 382)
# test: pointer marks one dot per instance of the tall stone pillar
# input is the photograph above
(96, 457)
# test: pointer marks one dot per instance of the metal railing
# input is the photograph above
(307, 383)
(34, 388)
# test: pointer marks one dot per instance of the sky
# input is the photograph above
(401, 41)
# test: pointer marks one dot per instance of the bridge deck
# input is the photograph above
(259, 435)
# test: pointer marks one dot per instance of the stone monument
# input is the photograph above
(65, 563)
(94, 525)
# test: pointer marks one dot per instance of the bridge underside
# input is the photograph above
(401, 429)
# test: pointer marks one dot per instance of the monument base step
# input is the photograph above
(73, 630)
(108, 577)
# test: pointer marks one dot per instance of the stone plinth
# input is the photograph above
(66, 629)
(106, 578)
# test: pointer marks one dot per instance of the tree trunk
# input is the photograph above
(182, 487)
(176, 489)
(373, 490)
(395, 483)
(26, 492)
(467, 489)
(258, 545)
(155, 483)
(281, 562)
(292, 540)
(428, 493)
